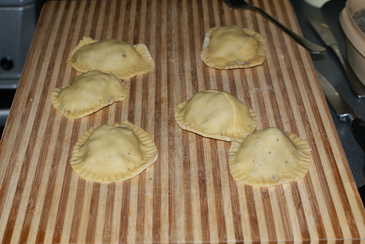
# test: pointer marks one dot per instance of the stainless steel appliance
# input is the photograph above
(17, 23)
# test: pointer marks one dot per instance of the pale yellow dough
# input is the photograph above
(232, 47)
(217, 115)
(269, 157)
(111, 56)
(88, 93)
(113, 153)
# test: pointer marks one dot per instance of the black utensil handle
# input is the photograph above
(362, 194)
(358, 130)
(311, 46)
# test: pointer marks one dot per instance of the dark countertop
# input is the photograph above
(328, 65)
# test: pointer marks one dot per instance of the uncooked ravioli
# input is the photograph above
(217, 115)
(111, 56)
(88, 93)
(231, 47)
(269, 157)
(113, 153)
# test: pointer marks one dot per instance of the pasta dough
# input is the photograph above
(111, 56)
(232, 47)
(111, 153)
(88, 93)
(269, 157)
(217, 115)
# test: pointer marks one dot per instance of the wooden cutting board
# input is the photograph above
(188, 196)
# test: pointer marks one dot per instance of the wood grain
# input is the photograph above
(188, 196)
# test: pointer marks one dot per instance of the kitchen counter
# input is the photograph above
(188, 194)
(328, 65)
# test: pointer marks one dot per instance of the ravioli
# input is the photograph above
(88, 93)
(111, 56)
(113, 153)
(216, 114)
(269, 157)
(232, 47)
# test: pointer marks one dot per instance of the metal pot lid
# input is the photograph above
(10, 3)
